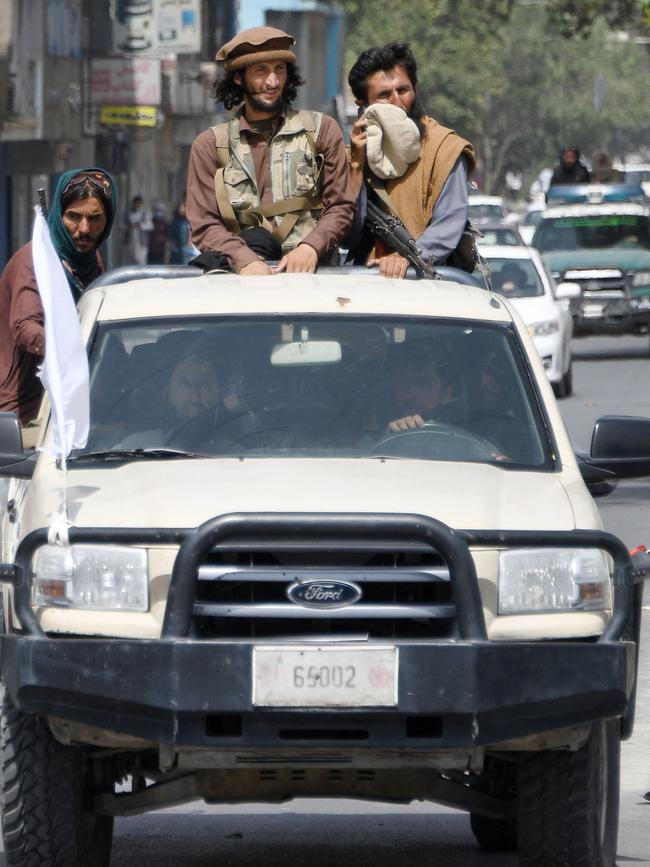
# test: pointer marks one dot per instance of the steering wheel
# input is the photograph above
(276, 436)
(436, 440)
(245, 430)
(209, 428)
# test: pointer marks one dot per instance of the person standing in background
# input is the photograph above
(182, 250)
(158, 236)
(138, 227)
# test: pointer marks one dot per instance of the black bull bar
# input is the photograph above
(452, 545)
(557, 682)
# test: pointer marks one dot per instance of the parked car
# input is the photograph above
(499, 233)
(605, 248)
(328, 537)
(519, 274)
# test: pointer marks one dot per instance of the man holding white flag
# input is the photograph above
(51, 272)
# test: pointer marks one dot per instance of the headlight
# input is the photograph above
(541, 329)
(553, 579)
(641, 278)
(102, 577)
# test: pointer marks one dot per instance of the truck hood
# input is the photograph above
(185, 493)
(616, 257)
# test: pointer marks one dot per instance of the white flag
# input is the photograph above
(64, 372)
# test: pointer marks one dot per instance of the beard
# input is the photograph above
(260, 105)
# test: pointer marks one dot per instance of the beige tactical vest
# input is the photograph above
(296, 186)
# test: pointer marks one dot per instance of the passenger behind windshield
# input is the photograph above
(323, 387)
(182, 405)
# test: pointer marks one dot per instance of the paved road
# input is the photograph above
(611, 377)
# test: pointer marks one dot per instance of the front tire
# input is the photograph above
(493, 835)
(42, 789)
(568, 803)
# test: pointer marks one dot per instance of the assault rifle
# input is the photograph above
(393, 233)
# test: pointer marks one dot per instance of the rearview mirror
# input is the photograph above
(14, 461)
(306, 352)
(567, 290)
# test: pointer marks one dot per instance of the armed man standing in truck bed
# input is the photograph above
(270, 166)
(426, 188)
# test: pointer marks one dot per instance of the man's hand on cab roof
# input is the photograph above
(302, 260)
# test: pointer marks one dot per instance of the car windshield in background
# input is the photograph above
(496, 236)
(593, 231)
(363, 387)
(532, 218)
(515, 278)
(486, 212)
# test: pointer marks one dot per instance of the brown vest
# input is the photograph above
(414, 195)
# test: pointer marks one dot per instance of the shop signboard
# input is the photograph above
(157, 27)
(125, 81)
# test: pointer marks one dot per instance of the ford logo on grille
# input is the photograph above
(324, 594)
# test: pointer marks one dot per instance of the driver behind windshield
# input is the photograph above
(510, 279)
(423, 386)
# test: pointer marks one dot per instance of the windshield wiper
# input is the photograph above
(134, 455)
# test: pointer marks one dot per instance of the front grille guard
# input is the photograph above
(451, 545)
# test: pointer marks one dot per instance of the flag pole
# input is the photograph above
(42, 202)
(64, 371)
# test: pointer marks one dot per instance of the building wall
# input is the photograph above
(48, 122)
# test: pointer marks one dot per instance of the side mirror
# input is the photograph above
(14, 461)
(567, 290)
(620, 449)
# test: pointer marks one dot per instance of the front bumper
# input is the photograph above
(192, 693)
(595, 314)
(459, 692)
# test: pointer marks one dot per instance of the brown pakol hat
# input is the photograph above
(256, 45)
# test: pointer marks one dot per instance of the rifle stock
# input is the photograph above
(393, 233)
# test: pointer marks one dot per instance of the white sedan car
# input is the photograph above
(519, 274)
(482, 208)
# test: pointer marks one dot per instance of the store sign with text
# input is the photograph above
(125, 81)
(128, 115)
(156, 27)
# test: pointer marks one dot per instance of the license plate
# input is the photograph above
(592, 310)
(325, 676)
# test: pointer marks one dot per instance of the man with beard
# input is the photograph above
(570, 169)
(270, 166)
(428, 193)
(80, 219)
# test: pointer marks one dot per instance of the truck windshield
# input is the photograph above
(357, 387)
(592, 231)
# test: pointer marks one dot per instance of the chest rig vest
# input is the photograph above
(296, 186)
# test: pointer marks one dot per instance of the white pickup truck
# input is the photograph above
(328, 537)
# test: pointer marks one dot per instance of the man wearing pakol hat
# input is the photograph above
(407, 162)
(80, 219)
(270, 167)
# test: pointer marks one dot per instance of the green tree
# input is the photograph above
(506, 80)
(577, 17)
